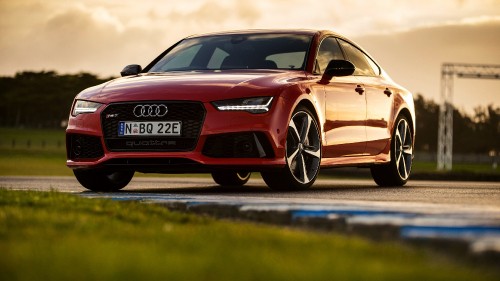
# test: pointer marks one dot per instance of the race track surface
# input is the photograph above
(465, 194)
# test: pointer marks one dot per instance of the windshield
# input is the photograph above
(244, 51)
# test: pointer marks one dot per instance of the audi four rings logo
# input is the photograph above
(150, 110)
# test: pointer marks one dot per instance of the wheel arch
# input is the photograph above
(406, 113)
(309, 105)
(411, 119)
(309, 101)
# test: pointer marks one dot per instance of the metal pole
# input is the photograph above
(445, 131)
(445, 134)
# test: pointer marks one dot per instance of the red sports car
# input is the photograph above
(280, 102)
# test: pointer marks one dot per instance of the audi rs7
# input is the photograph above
(284, 103)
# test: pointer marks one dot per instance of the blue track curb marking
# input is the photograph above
(449, 232)
(325, 213)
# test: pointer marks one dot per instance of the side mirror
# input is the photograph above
(338, 68)
(132, 69)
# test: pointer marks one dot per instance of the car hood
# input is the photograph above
(201, 86)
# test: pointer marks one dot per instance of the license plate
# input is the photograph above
(149, 128)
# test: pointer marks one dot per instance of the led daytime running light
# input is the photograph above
(85, 110)
(245, 107)
(252, 108)
(85, 107)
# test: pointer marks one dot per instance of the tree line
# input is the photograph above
(476, 133)
(40, 99)
(43, 100)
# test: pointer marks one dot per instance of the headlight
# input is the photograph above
(82, 106)
(252, 105)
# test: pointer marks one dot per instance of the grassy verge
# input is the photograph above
(33, 162)
(32, 152)
(54, 236)
(430, 167)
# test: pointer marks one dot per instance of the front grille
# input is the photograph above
(191, 114)
(84, 147)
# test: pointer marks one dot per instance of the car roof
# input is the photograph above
(263, 31)
(311, 32)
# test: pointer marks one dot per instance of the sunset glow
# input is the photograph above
(410, 39)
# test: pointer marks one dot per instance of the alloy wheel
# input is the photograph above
(403, 149)
(303, 147)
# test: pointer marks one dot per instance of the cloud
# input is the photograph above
(247, 11)
(103, 36)
(414, 58)
(216, 14)
(73, 37)
(357, 17)
(79, 38)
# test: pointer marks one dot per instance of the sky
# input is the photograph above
(409, 38)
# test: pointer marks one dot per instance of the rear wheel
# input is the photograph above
(103, 180)
(231, 178)
(303, 154)
(397, 172)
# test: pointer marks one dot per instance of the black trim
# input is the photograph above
(172, 166)
(238, 145)
(83, 147)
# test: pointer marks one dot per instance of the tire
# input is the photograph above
(397, 172)
(103, 180)
(231, 178)
(302, 153)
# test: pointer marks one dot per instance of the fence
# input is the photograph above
(419, 156)
(32, 144)
(458, 158)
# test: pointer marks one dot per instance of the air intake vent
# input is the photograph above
(84, 147)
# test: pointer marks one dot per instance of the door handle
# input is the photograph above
(388, 92)
(360, 90)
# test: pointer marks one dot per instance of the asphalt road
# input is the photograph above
(485, 195)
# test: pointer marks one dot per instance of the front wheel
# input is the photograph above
(103, 180)
(397, 172)
(230, 178)
(303, 154)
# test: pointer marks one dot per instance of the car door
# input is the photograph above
(345, 107)
(378, 98)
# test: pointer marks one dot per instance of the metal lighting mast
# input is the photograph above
(445, 134)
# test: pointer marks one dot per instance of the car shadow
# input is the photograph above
(256, 187)
(261, 189)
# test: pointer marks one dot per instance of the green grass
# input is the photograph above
(32, 152)
(33, 162)
(36, 137)
(55, 236)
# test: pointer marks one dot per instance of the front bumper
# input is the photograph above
(227, 140)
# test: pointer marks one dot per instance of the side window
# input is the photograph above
(373, 65)
(329, 50)
(359, 59)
